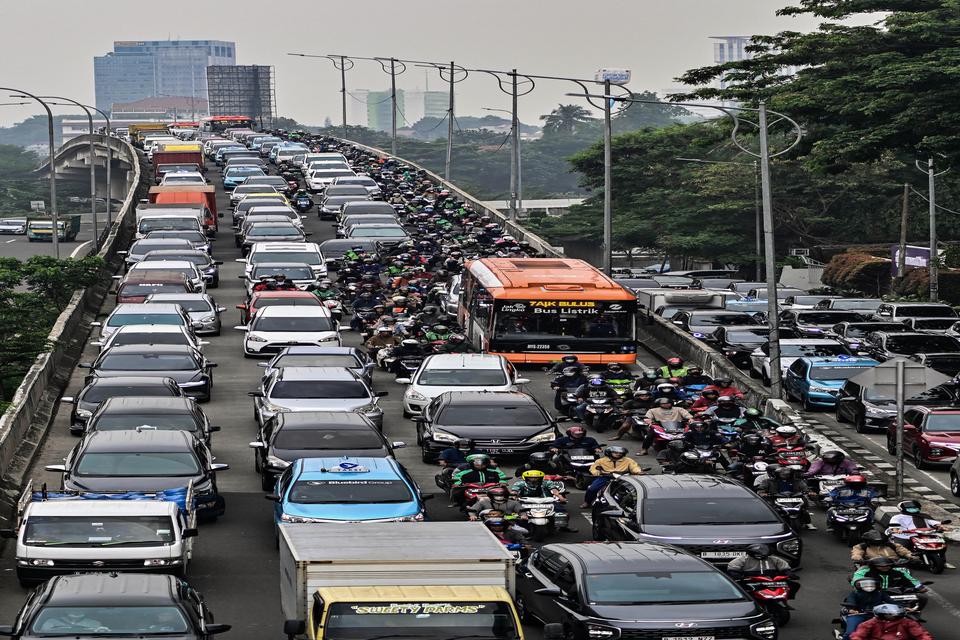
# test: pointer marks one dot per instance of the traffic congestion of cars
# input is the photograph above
(424, 300)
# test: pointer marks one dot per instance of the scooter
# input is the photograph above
(849, 522)
(303, 203)
(542, 516)
(927, 543)
(793, 506)
(600, 414)
(771, 593)
(664, 432)
(576, 463)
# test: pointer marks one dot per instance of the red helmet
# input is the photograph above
(675, 362)
(576, 432)
(855, 482)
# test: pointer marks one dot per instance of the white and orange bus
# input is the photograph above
(537, 310)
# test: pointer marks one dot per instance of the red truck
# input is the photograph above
(190, 194)
(182, 155)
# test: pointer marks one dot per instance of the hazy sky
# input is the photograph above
(657, 39)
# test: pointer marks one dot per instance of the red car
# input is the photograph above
(263, 299)
(931, 436)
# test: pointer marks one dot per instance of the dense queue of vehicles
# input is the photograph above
(731, 500)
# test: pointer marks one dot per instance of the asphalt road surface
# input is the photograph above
(20, 247)
(235, 563)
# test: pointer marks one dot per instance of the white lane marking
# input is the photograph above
(9, 241)
(73, 254)
(944, 603)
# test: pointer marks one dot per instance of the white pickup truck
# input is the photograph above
(69, 532)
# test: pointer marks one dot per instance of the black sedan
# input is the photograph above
(144, 460)
(315, 434)
(713, 517)
(100, 389)
(160, 414)
(122, 605)
(853, 334)
(884, 346)
(190, 369)
(635, 590)
(500, 423)
(737, 343)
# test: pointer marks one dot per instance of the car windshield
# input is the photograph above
(199, 259)
(189, 304)
(300, 257)
(304, 301)
(720, 319)
(947, 365)
(936, 324)
(133, 464)
(141, 248)
(823, 318)
(936, 395)
(123, 319)
(326, 438)
(942, 422)
(462, 377)
(811, 300)
(909, 345)
(667, 587)
(264, 229)
(430, 620)
(486, 415)
(146, 288)
(291, 273)
(109, 621)
(924, 311)
(189, 236)
(854, 304)
(535, 326)
(837, 373)
(318, 360)
(161, 421)
(307, 324)
(677, 510)
(319, 389)
(861, 330)
(147, 362)
(350, 490)
(331, 173)
(170, 178)
(751, 336)
(377, 232)
(232, 172)
(98, 531)
(801, 350)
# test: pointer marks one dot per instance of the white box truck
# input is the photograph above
(390, 578)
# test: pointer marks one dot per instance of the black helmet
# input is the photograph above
(909, 507)
(833, 457)
(569, 359)
(539, 458)
(609, 451)
(642, 392)
(662, 401)
(440, 328)
(751, 439)
(711, 393)
(880, 561)
(758, 551)
(614, 367)
(722, 382)
(871, 537)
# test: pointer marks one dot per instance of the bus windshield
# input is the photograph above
(535, 326)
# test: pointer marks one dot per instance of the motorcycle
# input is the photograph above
(303, 203)
(927, 543)
(576, 463)
(823, 485)
(600, 414)
(664, 432)
(335, 307)
(697, 460)
(849, 522)
(793, 507)
(906, 598)
(542, 516)
(771, 593)
(473, 491)
(792, 456)
(622, 386)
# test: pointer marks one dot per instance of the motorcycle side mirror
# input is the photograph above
(946, 521)
(613, 513)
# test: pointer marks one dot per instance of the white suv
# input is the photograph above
(444, 372)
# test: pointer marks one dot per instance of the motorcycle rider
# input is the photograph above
(669, 390)
(860, 602)
(614, 460)
(695, 377)
(751, 422)
(910, 517)
(479, 472)
(567, 361)
(456, 343)
(408, 348)
(888, 576)
(724, 386)
(831, 463)
(569, 380)
(854, 492)
(641, 402)
(890, 621)
(874, 545)
(725, 409)
(504, 532)
(758, 559)
(596, 389)
(366, 300)
(784, 480)
(664, 411)
(576, 438)
(382, 338)
(673, 368)
(497, 498)
(707, 399)
(326, 291)
(672, 454)
(616, 371)
(532, 484)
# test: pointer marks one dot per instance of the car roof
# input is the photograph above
(627, 557)
(153, 349)
(464, 361)
(258, 295)
(347, 420)
(318, 374)
(140, 404)
(295, 311)
(132, 307)
(130, 381)
(314, 350)
(162, 264)
(105, 589)
(138, 440)
(146, 507)
(692, 486)
(283, 246)
(151, 328)
(844, 361)
(379, 468)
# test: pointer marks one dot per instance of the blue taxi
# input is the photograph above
(816, 381)
(346, 489)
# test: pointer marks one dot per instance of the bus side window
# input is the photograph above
(481, 303)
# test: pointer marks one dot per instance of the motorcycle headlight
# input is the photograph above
(443, 436)
(278, 463)
(545, 436)
(765, 630)
(600, 632)
(791, 547)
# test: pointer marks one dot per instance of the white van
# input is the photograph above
(444, 372)
(69, 532)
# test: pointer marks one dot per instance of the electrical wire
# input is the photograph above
(922, 197)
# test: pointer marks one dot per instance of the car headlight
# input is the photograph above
(765, 630)
(414, 395)
(373, 407)
(84, 413)
(299, 519)
(255, 338)
(332, 338)
(877, 412)
(159, 562)
(791, 546)
(40, 562)
(946, 445)
(818, 389)
(443, 436)
(279, 463)
(212, 318)
(545, 436)
(602, 632)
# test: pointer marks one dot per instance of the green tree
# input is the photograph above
(567, 119)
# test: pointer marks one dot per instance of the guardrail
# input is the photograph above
(24, 425)
(512, 228)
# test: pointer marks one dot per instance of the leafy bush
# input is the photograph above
(861, 272)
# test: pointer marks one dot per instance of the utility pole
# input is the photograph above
(514, 151)
(343, 92)
(607, 182)
(934, 256)
(904, 211)
(446, 165)
(393, 104)
(758, 209)
(773, 319)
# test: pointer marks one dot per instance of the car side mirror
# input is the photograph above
(219, 215)
(398, 444)
(522, 381)
(216, 628)
(6, 630)
(218, 262)
(240, 260)
(219, 466)
(272, 497)
(211, 365)
(550, 592)
(67, 399)
(61, 468)
(402, 380)
(241, 327)
(293, 628)
(613, 513)
(382, 394)
(215, 428)
(257, 445)
(189, 533)
(255, 394)
(96, 323)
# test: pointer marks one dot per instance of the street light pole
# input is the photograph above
(449, 160)
(52, 156)
(341, 66)
(393, 105)
(514, 149)
(106, 143)
(93, 169)
(607, 183)
(933, 265)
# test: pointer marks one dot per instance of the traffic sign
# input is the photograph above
(38, 205)
(882, 379)
(614, 76)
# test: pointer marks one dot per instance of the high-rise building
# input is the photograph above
(435, 104)
(242, 90)
(157, 68)
(378, 110)
(357, 107)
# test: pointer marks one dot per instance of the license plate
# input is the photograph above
(504, 450)
(722, 555)
(688, 638)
